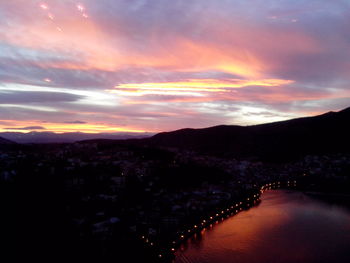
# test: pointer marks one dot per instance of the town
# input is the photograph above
(103, 198)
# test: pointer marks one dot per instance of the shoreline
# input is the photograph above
(236, 207)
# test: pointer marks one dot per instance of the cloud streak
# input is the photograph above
(27, 128)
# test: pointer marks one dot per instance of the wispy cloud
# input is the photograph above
(26, 128)
(75, 122)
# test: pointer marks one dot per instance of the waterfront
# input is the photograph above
(287, 226)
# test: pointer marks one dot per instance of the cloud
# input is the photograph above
(19, 97)
(27, 128)
(75, 122)
(194, 87)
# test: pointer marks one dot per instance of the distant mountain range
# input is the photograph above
(5, 141)
(326, 133)
(284, 140)
(51, 137)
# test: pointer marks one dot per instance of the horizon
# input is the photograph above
(146, 134)
(148, 67)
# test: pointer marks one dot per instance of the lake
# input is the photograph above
(286, 226)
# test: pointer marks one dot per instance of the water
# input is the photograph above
(286, 226)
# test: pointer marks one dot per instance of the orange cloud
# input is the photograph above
(193, 86)
(223, 46)
(83, 45)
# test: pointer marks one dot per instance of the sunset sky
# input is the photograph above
(159, 65)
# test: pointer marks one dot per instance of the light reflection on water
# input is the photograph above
(286, 226)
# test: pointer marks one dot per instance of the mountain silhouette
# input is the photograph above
(322, 134)
(4, 141)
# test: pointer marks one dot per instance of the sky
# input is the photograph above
(159, 65)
